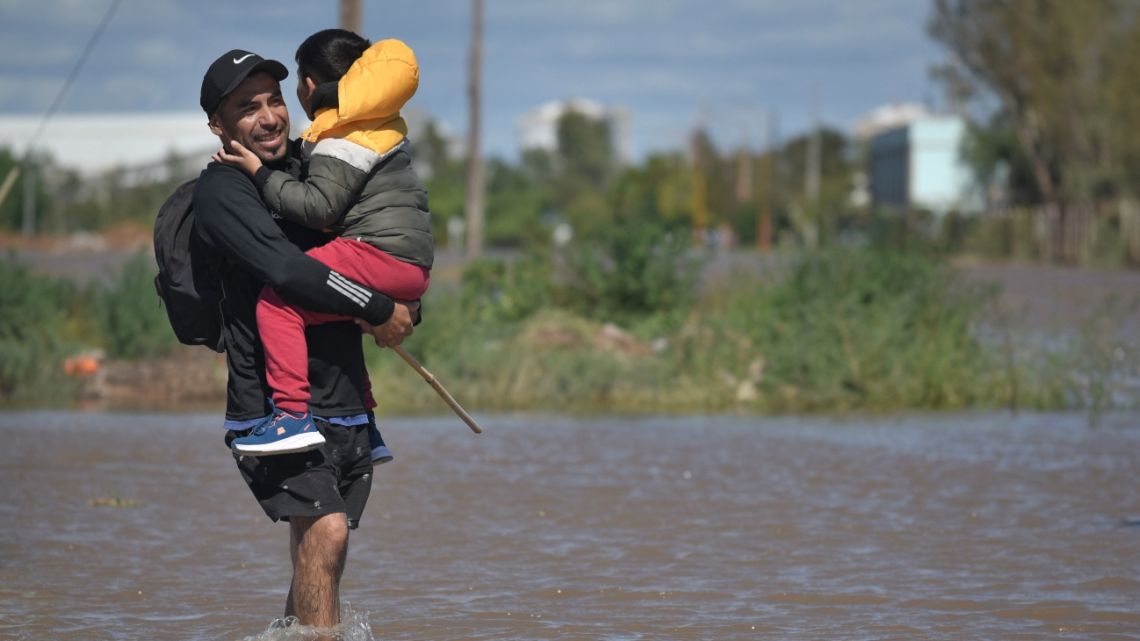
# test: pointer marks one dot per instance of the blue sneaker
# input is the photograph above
(283, 434)
(380, 451)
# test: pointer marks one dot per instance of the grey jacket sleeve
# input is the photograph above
(338, 171)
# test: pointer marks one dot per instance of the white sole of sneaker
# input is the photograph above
(291, 445)
(381, 455)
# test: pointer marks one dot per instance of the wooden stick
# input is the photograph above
(439, 389)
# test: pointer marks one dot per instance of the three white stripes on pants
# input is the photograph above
(355, 292)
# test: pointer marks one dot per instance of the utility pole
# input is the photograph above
(473, 209)
(811, 178)
(700, 205)
(764, 217)
(744, 170)
(811, 171)
(351, 16)
(29, 203)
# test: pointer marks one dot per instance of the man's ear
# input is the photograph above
(215, 125)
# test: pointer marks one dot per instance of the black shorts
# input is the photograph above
(335, 477)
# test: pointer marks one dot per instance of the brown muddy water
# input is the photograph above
(137, 527)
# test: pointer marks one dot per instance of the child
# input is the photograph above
(359, 184)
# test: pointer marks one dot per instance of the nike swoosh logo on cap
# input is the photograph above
(237, 61)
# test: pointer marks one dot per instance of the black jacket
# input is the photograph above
(258, 250)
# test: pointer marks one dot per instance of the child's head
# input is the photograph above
(324, 57)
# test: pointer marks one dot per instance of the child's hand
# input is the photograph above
(242, 158)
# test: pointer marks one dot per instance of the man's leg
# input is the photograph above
(318, 547)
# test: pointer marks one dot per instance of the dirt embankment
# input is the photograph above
(191, 377)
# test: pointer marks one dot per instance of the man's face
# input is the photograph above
(255, 115)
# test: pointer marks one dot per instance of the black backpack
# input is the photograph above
(188, 280)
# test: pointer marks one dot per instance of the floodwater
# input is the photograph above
(979, 526)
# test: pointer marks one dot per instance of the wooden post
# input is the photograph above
(699, 204)
(473, 207)
(29, 201)
(351, 16)
(764, 216)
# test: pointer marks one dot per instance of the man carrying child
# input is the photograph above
(320, 492)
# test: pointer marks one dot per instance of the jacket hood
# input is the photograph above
(371, 94)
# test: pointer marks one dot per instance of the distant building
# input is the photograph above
(97, 143)
(919, 165)
(887, 117)
(538, 129)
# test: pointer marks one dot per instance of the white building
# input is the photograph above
(538, 128)
(920, 165)
(95, 143)
(887, 117)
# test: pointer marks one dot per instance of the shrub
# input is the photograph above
(129, 316)
(33, 316)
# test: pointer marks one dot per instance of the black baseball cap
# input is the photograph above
(229, 70)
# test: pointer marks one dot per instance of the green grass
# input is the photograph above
(864, 330)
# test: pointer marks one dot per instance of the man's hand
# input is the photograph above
(396, 329)
(242, 158)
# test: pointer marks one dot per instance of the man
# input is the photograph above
(320, 493)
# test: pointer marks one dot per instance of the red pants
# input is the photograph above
(282, 326)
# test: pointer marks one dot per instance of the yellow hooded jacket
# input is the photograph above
(370, 96)
(360, 182)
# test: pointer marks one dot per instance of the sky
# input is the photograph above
(671, 63)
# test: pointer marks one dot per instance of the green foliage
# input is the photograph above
(515, 203)
(654, 191)
(992, 150)
(1064, 73)
(33, 316)
(498, 290)
(64, 201)
(129, 316)
(31, 169)
(866, 329)
(628, 270)
(584, 150)
(443, 177)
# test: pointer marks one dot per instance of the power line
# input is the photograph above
(73, 75)
(10, 179)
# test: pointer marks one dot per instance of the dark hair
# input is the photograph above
(326, 55)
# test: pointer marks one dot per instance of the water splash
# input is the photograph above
(353, 626)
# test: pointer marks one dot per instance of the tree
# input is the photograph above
(1056, 68)
(585, 149)
(32, 168)
(580, 170)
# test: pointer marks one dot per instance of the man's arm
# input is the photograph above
(230, 216)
